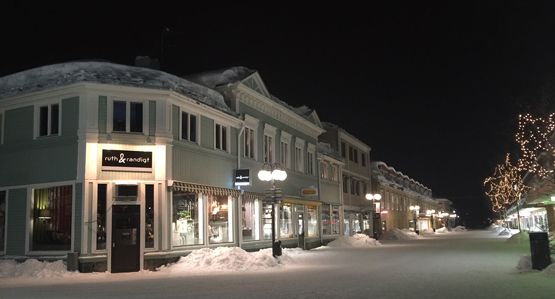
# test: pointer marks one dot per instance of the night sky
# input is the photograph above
(433, 87)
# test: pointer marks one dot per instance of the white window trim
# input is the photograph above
(197, 125)
(110, 115)
(251, 123)
(311, 149)
(286, 139)
(37, 119)
(299, 144)
(270, 131)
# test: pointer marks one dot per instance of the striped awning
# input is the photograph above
(196, 188)
(302, 201)
(253, 195)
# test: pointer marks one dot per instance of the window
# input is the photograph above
(188, 127)
(343, 153)
(351, 153)
(363, 159)
(285, 221)
(51, 215)
(49, 120)
(326, 220)
(127, 116)
(312, 221)
(335, 173)
(101, 216)
(249, 143)
(299, 155)
(310, 163)
(335, 228)
(2, 220)
(187, 219)
(355, 157)
(268, 149)
(149, 216)
(250, 213)
(284, 154)
(221, 137)
(324, 170)
(220, 213)
(355, 186)
(345, 182)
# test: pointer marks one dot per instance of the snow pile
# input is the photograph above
(397, 234)
(525, 263)
(549, 271)
(459, 228)
(358, 240)
(505, 232)
(229, 258)
(427, 231)
(520, 238)
(492, 227)
(497, 229)
(33, 268)
(442, 230)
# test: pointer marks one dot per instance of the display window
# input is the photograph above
(335, 224)
(187, 219)
(286, 221)
(312, 221)
(51, 219)
(326, 220)
(220, 222)
(251, 219)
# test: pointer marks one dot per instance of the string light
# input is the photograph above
(505, 186)
(535, 139)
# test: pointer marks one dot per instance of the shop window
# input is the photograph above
(220, 226)
(250, 219)
(312, 221)
(347, 224)
(249, 143)
(335, 224)
(286, 221)
(101, 204)
(221, 137)
(326, 220)
(51, 218)
(188, 127)
(187, 219)
(2, 220)
(127, 116)
(49, 120)
(149, 216)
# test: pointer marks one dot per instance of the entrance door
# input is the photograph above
(125, 238)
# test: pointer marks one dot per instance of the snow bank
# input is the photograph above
(397, 234)
(549, 271)
(442, 230)
(358, 240)
(33, 268)
(520, 238)
(525, 263)
(427, 231)
(459, 228)
(505, 232)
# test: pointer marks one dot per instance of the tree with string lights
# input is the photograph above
(505, 186)
(535, 137)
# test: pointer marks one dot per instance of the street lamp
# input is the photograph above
(375, 197)
(415, 210)
(272, 172)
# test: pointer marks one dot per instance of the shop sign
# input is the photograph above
(309, 191)
(119, 160)
(242, 177)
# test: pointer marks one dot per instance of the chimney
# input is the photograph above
(147, 62)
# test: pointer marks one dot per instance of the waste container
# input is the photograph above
(539, 247)
(73, 261)
(276, 248)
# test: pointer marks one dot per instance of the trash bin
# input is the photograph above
(539, 247)
(276, 248)
(73, 261)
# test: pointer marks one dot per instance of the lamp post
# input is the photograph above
(415, 210)
(373, 198)
(272, 172)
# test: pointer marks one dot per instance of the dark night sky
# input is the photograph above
(433, 87)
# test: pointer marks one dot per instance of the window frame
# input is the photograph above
(189, 129)
(250, 139)
(269, 143)
(221, 137)
(299, 155)
(285, 146)
(49, 121)
(128, 102)
(310, 154)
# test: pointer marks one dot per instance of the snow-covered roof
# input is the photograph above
(57, 75)
(389, 176)
(326, 149)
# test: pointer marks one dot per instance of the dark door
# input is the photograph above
(125, 238)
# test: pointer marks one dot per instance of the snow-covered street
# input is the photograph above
(466, 264)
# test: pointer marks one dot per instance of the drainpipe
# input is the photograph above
(239, 145)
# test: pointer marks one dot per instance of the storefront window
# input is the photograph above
(335, 224)
(187, 219)
(101, 217)
(52, 210)
(286, 221)
(251, 220)
(326, 220)
(149, 216)
(220, 226)
(347, 224)
(312, 221)
(2, 219)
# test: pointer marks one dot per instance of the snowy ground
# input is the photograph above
(461, 264)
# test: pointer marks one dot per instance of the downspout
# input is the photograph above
(320, 198)
(240, 199)
(239, 145)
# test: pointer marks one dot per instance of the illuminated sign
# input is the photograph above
(126, 160)
(385, 212)
(242, 177)
(309, 191)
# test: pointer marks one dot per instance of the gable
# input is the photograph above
(255, 83)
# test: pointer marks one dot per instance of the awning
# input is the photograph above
(253, 195)
(302, 201)
(196, 188)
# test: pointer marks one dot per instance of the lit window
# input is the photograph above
(324, 170)
(51, 215)
(49, 120)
